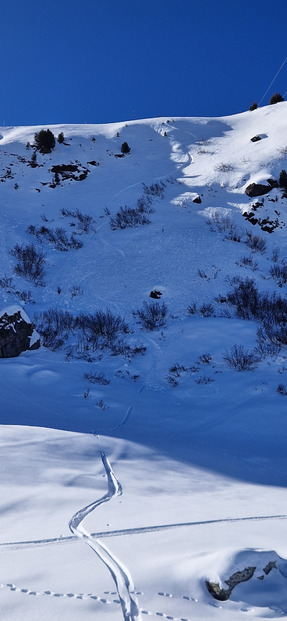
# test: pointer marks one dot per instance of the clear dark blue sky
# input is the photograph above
(97, 61)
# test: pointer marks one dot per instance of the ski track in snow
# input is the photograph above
(14, 545)
(117, 570)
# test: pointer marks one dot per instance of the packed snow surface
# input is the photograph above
(139, 465)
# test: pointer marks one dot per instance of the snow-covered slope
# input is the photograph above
(162, 457)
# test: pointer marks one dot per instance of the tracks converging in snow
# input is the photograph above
(118, 571)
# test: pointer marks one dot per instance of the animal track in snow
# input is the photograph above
(98, 598)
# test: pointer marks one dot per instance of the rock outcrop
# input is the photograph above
(16, 333)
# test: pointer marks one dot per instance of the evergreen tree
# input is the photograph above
(45, 141)
(125, 148)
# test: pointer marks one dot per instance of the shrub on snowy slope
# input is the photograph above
(283, 179)
(276, 98)
(45, 141)
(30, 263)
(152, 315)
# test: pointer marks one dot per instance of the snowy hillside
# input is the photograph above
(151, 423)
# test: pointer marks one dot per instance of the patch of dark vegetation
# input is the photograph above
(269, 309)
(86, 334)
(7, 175)
(99, 330)
(152, 315)
(125, 149)
(6, 282)
(97, 378)
(240, 358)
(255, 242)
(128, 217)
(283, 182)
(282, 389)
(206, 310)
(276, 98)
(30, 263)
(84, 221)
(58, 237)
(45, 141)
(155, 190)
(278, 271)
(224, 224)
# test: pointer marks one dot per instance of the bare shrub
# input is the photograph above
(206, 310)
(221, 167)
(102, 327)
(282, 389)
(255, 242)
(57, 237)
(240, 358)
(96, 378)
(203, 379)
(245, 297)
(224, 224)
(192, 309)
(279, 273)
(54, 326)
(75, 291)
(248, 261)
(128, 217)
(30, 263)
(155, 189)
(84, 220)
(153, 315)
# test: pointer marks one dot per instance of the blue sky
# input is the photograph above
(98, 61)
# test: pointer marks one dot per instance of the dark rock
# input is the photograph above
(224, 594)
(155, 294)
(273, 183)
(16, 334)
(197, 199)
(257, 189)
(255, 138)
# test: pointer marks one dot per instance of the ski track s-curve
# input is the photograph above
(118, 571)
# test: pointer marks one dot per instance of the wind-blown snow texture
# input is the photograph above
(197, 448)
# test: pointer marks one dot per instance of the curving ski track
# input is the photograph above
(117, 570)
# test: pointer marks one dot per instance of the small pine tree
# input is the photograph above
(276, 98)
(254, 106)
(125, 149)
(45, 141)
(34, 159)
(283, 179)
(61, 138)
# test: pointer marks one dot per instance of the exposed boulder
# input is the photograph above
(197, 200)
(16, 333)
(216, 590)
(257, 189)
